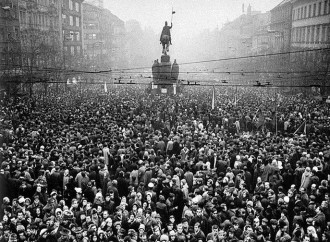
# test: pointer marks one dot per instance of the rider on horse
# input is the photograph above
(166, 32)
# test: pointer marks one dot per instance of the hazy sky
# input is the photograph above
(190, 14)
(191, 17)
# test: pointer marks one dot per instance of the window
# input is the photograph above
(298, 13)
(71, 37)
(71, 20)
(77, 7)
(317, 38)
(305, 12)
(308, 35)
(314, 10)
(2, 33)
(70, 5)
(320, 6)
(78, 50)
(312, 34)
(304, 35)
(72, 50)
(293, 15)
(77, 36)
(310, 11)
(63, 16)
(323, 32)
(325, 9)
(77, 21)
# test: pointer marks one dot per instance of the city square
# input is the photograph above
(184, 121)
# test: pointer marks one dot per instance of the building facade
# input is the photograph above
(93, 40)
(72, 27)
(310, 23)
(31, 37)
(9, 35)
(114, 33)
(280, 26)
(311, 37)
(103, 38)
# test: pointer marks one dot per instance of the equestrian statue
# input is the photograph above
(165, 38)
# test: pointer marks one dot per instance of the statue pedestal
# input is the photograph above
(165, 58)
(164, 81)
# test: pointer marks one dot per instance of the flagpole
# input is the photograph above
(275, 111)
(172, 15)
(299, 127)
(213, 99)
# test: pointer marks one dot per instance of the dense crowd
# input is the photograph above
(128, 166)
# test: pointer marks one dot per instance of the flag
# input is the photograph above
(301, 128)
(213, 98)
(105, 87)
(261, 120)
(173, 12)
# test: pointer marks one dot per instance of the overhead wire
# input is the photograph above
(198, 62)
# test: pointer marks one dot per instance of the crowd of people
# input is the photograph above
(128, 166)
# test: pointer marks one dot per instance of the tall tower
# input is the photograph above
(249, 10)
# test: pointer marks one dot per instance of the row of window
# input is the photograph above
(312, 10)
(91, 26)
(72, 21)
(73, 6)
(38, 19)
(316, 34)
(71, 36)
(90, 36)
(74, 50)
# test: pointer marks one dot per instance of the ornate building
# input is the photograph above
(9, 34)
(280, 26)
(311, 37)
(103, 38)
(310, 23)
(72, 30)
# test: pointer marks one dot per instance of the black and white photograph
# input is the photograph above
(164, 120)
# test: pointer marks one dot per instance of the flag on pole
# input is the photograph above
(173, 12)
(105, 87)
(301, 128)
(213, 98)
